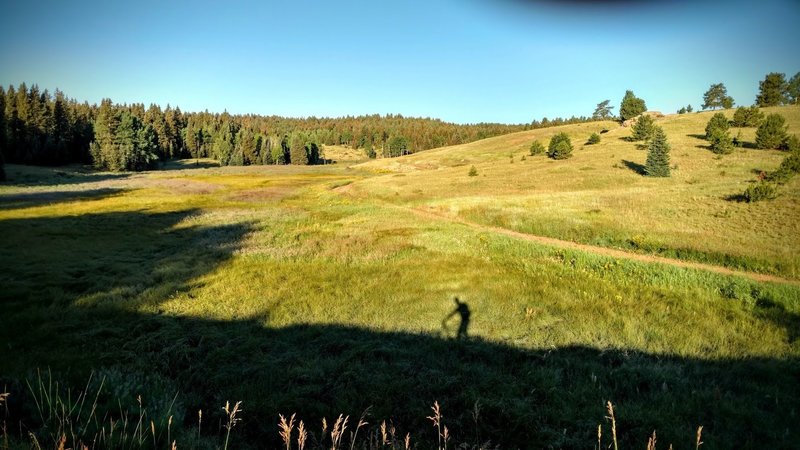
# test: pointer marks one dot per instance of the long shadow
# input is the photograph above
(29, 199)
(17, 175)
(636, 167)
(187, 164)
(74, 289)
(702, 137)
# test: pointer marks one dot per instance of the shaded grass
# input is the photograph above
(320, 303)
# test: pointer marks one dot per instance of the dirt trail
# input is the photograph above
(603, 250)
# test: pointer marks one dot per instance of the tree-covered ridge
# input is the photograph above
(38, 127)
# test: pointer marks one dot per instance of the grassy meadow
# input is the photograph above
(322, 290)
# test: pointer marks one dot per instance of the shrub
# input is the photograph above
(643, 128)
(772, 132)
(791, 144)
(560, 147)
(473, 172)
(718, 122)
(593, 139)
(657, 164)
(536, 148)
(747, 117)
(763, 190)
(721, 142)
(788, 168)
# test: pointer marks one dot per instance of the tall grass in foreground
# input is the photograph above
(67, 419)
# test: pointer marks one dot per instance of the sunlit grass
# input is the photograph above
(596, 198)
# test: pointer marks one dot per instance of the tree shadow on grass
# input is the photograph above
(18, 175)
(702, 137)
(75, 290)
(30, 199)
(636, 167)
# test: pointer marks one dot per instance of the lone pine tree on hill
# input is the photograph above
(717, 97)
(603, 110)
(657, 164)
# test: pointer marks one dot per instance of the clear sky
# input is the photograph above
(459, 60)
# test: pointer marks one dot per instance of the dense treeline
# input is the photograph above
(37, 127)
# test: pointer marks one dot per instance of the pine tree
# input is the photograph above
(718, 122)
(772, 132)
(631, 106)
(717, 97)
(793, 89)
(657, 164)
(560, 147)
(536, 148)
(772, 90)
(747, 117)
(603, 111)
(297, 150)
(642, 130)
(3, 128)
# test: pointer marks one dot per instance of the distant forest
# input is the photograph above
(40, 128)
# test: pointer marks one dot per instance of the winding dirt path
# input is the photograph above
(614, 253)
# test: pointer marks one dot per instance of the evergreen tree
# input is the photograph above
(772, 90)
(793, 89)
(657, 164)
(594, 138)
(689, 108)
(103, 147)
(631, 106)
(297, 150)
(246, 146)
(398, 146)
(718, 122)
(717, 97)
(560, 147)
(222, 148)
(643, 128)
(3, 128)
(603, 110)
(536, 148)
(721, 141)
(772, 132)
(61, 133)
(747, 117)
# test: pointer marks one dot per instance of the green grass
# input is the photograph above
(598, 197)
(315, 290)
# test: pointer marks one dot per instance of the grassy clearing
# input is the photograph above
(309, 291)
(599, 197)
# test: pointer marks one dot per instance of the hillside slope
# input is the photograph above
(600, 197)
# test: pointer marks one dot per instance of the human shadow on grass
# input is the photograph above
(30, 199)
(464, 314)
(91, 293)
(636, 167)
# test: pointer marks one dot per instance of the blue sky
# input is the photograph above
(459, 60)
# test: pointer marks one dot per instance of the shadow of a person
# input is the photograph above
(463, 310)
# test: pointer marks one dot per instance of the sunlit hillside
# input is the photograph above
(600, 197)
